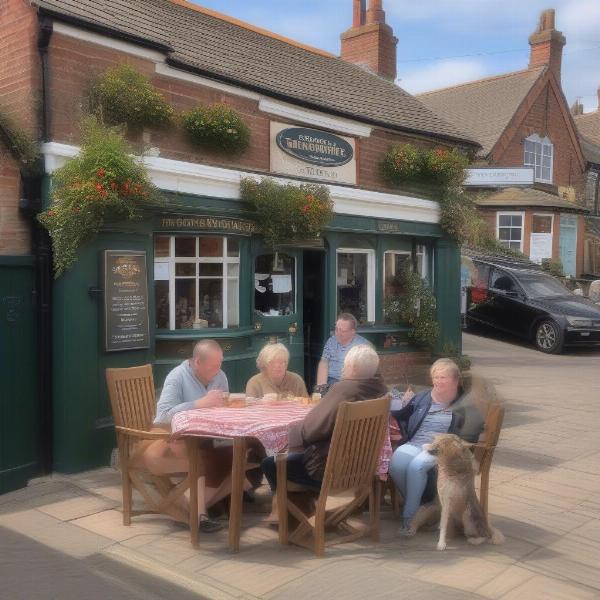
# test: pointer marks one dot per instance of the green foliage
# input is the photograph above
(217, 127)
(438, 166)
(449, 350)
(461, 220)
(103, 183)
(20, 144)
(286, 213)
(122, 95)
(414, 305)
(554, 266)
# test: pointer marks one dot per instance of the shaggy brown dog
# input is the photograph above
(456, 493)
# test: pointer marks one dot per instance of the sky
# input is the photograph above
(446, 42)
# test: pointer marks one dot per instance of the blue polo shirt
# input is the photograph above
(334, 353)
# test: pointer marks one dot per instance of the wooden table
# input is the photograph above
(268, 424)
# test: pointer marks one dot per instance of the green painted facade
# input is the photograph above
(83, 432)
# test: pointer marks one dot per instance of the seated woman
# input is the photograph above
(274, 378)
(427, 414)
(360, 381)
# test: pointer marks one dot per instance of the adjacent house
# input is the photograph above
(522, 119)
(208, 272)
(588, 127)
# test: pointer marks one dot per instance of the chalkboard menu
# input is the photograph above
(125, 300)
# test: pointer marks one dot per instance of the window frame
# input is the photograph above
(509, 213)
(371, 278)
(544, 142)
(224, 260)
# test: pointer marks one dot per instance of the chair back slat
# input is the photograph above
(356, 444)
(132, 397)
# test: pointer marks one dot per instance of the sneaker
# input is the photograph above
(208, 525)
(405, 530)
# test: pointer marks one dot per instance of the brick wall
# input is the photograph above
(19, 94)
(74, 64)
(19, 65)
(15, 236)
(545, 117)
(411, 367)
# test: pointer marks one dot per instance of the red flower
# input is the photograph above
(114, 185)
(305, 208)
(441, 151)
(99, 186)
(51, 213)
(101, 172)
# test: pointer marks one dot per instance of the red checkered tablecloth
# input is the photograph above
(267, 423)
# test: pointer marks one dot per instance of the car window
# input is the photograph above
(541, 286)
(502, 281)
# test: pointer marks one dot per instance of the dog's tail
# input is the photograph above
(497, 536)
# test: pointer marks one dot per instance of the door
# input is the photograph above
(19, 441)
(568, 244)
(314, 313)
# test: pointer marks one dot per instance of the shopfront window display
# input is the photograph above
(275, 284)
(196, 281)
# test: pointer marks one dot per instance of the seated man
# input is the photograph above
(329, 370)
(360, 381)
(197, 382)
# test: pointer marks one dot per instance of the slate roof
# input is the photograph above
(483, 108)
(514, 197)
(221, 49)
(588, 127)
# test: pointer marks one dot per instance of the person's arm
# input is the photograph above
(253, 388)
(322, 371)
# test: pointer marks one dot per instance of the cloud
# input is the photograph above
(441, 74)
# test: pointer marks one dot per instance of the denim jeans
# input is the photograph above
(295, 471)
(409, 467)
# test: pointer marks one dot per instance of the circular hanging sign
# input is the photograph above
(314, 146)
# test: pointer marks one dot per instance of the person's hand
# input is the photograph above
(407, 396)
(213, 398)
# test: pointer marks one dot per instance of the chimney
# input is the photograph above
(370, 42)
(577, 108)
(547, 44)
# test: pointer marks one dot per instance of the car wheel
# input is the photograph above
(549, 337)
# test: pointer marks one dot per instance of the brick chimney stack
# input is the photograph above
(547, 44)
(370, 42)
(577, 108)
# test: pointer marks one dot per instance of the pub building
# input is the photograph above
(145, 291)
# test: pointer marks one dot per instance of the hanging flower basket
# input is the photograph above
(123, 96)
(103, 184)
(287, 212)
(216, 127)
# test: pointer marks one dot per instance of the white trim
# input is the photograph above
(218, 182)
(107, 42)
(511, 213)
(371, 276)
(313, 117)
(163, 69)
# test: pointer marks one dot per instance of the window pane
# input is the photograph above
(185, 303)
(514, 245)
(538, 171)
(504, 220)
(161, 246)
(233, 247)
(211, 247)
(541, 224)
(516, 220)
(233, 303)
(275, 284)
(161, 299)
(210, 269)
(185, 246)
(504, 233)
(546, 173)
(515, 234)
(210, 309)
(352, 279)
(185, 269)
(233, 270)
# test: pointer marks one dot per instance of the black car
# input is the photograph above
(531, 304)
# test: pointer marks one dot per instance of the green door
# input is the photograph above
(18, 407)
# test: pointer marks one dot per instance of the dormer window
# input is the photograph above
(539, 153)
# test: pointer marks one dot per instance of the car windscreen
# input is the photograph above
(539, 286)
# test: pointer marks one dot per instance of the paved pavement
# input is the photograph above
(65, 538)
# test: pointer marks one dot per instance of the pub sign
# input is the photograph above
(312, 153)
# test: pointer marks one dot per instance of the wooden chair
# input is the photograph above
(352, 461)
(483, 452)
(132, 398)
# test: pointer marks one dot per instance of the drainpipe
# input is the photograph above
(31, 205)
